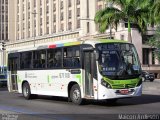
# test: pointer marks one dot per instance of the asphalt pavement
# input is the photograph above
(14, 107)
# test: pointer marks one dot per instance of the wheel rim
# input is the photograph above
(76, 95)
(25, 91)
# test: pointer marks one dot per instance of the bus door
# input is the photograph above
(88, 73)
(12, 66)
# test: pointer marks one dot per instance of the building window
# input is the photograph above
(47, 20)
(23, 26)
(29, 33)
(54, 18)
(29, 5)
(29, 15)
(40, 2)
(47, 11)
(47, 30)
(69, 25)
(62, 27)
(78, 2)
(61, 16)
(99, 7)
(145, 56)
(47, 1)
(40, 11)
(34, 23)
(54, 29)
(23, 17)
(78, 23)
(29, 25)
(40, 21)
(88, 27)
(69, 3)
(62, 5)
(23, 7)
(70, 14)
(41, 32)
(34, 32)
(17, 27)
(78, 12)
(54, 7)
(34, 3)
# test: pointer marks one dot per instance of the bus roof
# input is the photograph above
(57, 44)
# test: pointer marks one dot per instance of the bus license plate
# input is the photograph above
(124, 91)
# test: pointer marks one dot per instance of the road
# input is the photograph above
(53, 108)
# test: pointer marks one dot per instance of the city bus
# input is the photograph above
(92, 69)
(3, 76)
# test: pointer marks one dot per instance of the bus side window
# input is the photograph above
(71, 57)
(54, 58)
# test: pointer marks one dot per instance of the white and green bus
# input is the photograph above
(91, 69)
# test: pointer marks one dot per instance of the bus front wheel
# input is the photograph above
(26, 91)
(75, 95)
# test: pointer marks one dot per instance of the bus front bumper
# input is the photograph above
(120, 93)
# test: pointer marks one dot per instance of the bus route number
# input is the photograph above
(64, 75)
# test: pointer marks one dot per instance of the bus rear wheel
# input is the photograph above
(26, 91)
(75, 95)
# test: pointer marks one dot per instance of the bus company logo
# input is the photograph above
(30, 75)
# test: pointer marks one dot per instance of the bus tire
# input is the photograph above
(75, 95)
(26, 91)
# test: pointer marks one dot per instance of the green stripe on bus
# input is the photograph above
(48, 79)
(18, 80)
(72, 43)
(79, 78)
(117, 84)
(112, 41)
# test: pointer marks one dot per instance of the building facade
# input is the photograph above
(3, 28)
(35, 22)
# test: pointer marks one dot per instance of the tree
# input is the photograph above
(154, 42)
(130, 11)
(156, 11)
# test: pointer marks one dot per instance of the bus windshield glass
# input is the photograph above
(118, 61)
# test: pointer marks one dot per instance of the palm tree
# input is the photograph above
(156, 11)
(130, 11)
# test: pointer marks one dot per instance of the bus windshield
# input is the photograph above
(118, 61)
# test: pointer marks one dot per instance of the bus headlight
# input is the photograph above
(105, 84)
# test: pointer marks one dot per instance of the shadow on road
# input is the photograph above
(3, 89)
(144, 99)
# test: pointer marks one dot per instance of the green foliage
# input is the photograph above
(154, 42)
(131, 11)
(156, 11)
